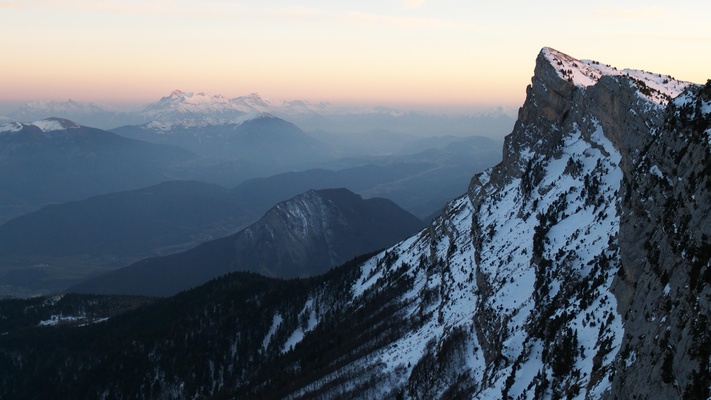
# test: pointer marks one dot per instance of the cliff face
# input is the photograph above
(656, 164)
(665, 232)
(546, 227)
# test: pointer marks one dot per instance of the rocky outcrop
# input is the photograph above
(662, 248)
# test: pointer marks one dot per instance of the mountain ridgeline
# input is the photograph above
(578, 267)
(59, 245)
(57, 160)
(304, 236)
(257, 138)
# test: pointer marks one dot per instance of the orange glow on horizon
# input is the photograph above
(458, 54)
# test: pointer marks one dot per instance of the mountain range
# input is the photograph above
(257, 138)
(56, 160)
(577, 267)
(89, 114)
(229, 141)
(312, 116)
(61, 244)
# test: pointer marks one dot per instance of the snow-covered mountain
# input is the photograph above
(202, 109)
(564, 271)
(578, 267)
(47, 125)
(181, 105)
(87, 114)
(511, 293)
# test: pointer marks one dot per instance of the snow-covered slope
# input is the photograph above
(46, 125)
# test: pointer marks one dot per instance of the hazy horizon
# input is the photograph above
(407, 53)
(9, 106)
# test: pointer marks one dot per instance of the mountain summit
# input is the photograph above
(55, 160)
(657, 88)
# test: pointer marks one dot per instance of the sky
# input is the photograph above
(462, 54)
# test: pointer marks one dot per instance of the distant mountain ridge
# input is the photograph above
(234, 129)
(310, 116)
(113, 230)
(300, 237)
(258, 138)
(184, 105)
(55, 160)
(52, 124)
(89, 114)
(122, 224)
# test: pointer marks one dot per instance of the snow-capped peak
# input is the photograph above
(10, 127)
(177, 93)
(45, 125)
(55, 124)
(182, 105)
(657, 88)
(178, 97)
(251, 102)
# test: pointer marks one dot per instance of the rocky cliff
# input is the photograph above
(663, 287)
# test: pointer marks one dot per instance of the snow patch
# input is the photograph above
(276, 322)
(58, 319)
(308, 321)
(656, 172)
(55, 124)
(11, 127)
(165, 125)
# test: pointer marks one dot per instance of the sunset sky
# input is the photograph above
(458, 53)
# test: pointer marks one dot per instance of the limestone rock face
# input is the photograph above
(659, 250)
(664, 286)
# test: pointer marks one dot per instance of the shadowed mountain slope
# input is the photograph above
(301, 237)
